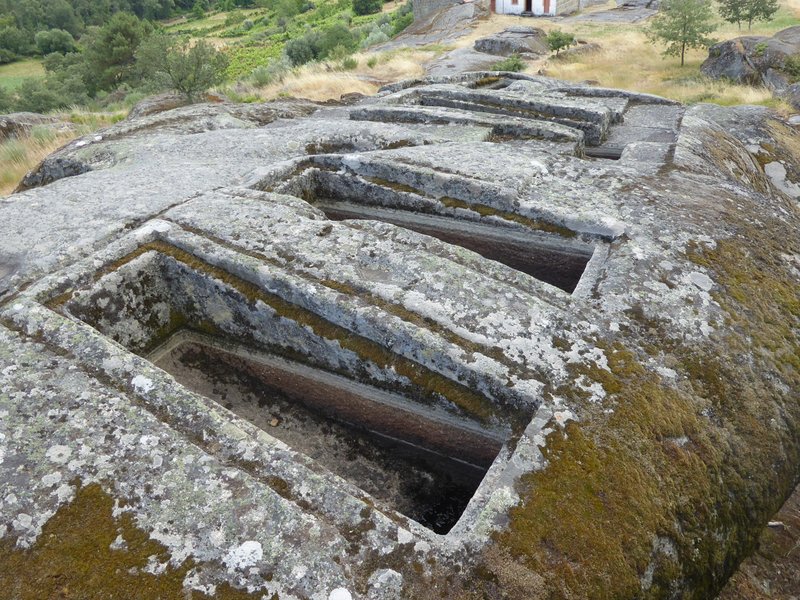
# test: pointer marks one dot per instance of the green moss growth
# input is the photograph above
(72, 559)
(699, 466)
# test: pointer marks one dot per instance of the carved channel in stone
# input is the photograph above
(412, 460)
(544, 250)
(550, 260)
(417, 441)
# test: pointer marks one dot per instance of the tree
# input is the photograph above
(110, 52)
(557, 40)
(759, 10)
(682, 24)
(732, 11)
(198, 12)
(189, 69)
(16, 40)
(55, 40)
(367, 7)
(738, 11)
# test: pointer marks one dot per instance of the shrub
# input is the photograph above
(376, 36)
(247, 25)
(189, 69)
(791, 66)
(513, 63)
(6, 56)
(336, 37)
(261, 76)
(55, 40)
(34, 95)
(367, 7)
(402, 18)
(302, 50)
(372, 62)
(557, 40)
(349, 63)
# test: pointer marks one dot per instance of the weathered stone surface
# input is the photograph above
(618, 337)
(514, 40)
(156, 104)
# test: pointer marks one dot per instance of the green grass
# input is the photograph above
(12, 75)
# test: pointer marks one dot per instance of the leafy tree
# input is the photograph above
(367, 7)
(55, 40)
(682, 24)
(59, 14)
(759, 10)
(110, 52)
(557, 40)
(198, 12)
(189, 69)
(732, 11)
(16, 40)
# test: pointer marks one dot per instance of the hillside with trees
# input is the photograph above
(126, 47)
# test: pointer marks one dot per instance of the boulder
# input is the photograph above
(17, 124)
(156, 104)
(754, 59)
(514, 40)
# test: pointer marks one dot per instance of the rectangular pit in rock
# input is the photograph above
(217, 337)
(553, 261)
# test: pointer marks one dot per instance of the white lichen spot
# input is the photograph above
(422, 546)
(244, 556)
(340, 594)
(64, 492)
(299, 571)
(404, 536)
(701, 280)
(563, 416)
(23, 521)
(142, 384)
(217, 538)
(52, 479)
(58, 454)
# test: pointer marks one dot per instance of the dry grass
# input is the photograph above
(23, 154)
(627, 60)
(327, 81)
(652, 73)
(20, 155)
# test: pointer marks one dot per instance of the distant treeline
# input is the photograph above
(38, 27)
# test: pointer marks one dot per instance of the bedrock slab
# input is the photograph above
(239, 346)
